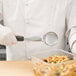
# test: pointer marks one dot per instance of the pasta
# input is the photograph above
(69, 69)
(56, 59)
(63, 69)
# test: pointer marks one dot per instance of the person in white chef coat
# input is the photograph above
(31, 18)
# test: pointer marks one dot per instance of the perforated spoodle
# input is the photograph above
(50, 38)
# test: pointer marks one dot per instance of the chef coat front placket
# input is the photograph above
(27, 6)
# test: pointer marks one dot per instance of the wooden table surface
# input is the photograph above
(16, 68)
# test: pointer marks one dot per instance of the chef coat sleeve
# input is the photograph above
(71, 24)
(3, 29)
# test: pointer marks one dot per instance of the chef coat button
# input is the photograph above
(26, 4)
(27, 23)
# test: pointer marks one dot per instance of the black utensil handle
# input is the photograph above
(20, 38)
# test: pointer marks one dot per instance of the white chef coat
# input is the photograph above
(30, 18)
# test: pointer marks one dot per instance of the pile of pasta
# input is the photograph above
(56, 59)
(67, 68)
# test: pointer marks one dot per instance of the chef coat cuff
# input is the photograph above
(72, 37)
(4, 31)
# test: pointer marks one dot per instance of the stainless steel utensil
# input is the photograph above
(50, 38)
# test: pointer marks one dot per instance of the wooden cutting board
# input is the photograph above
(16, 68)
